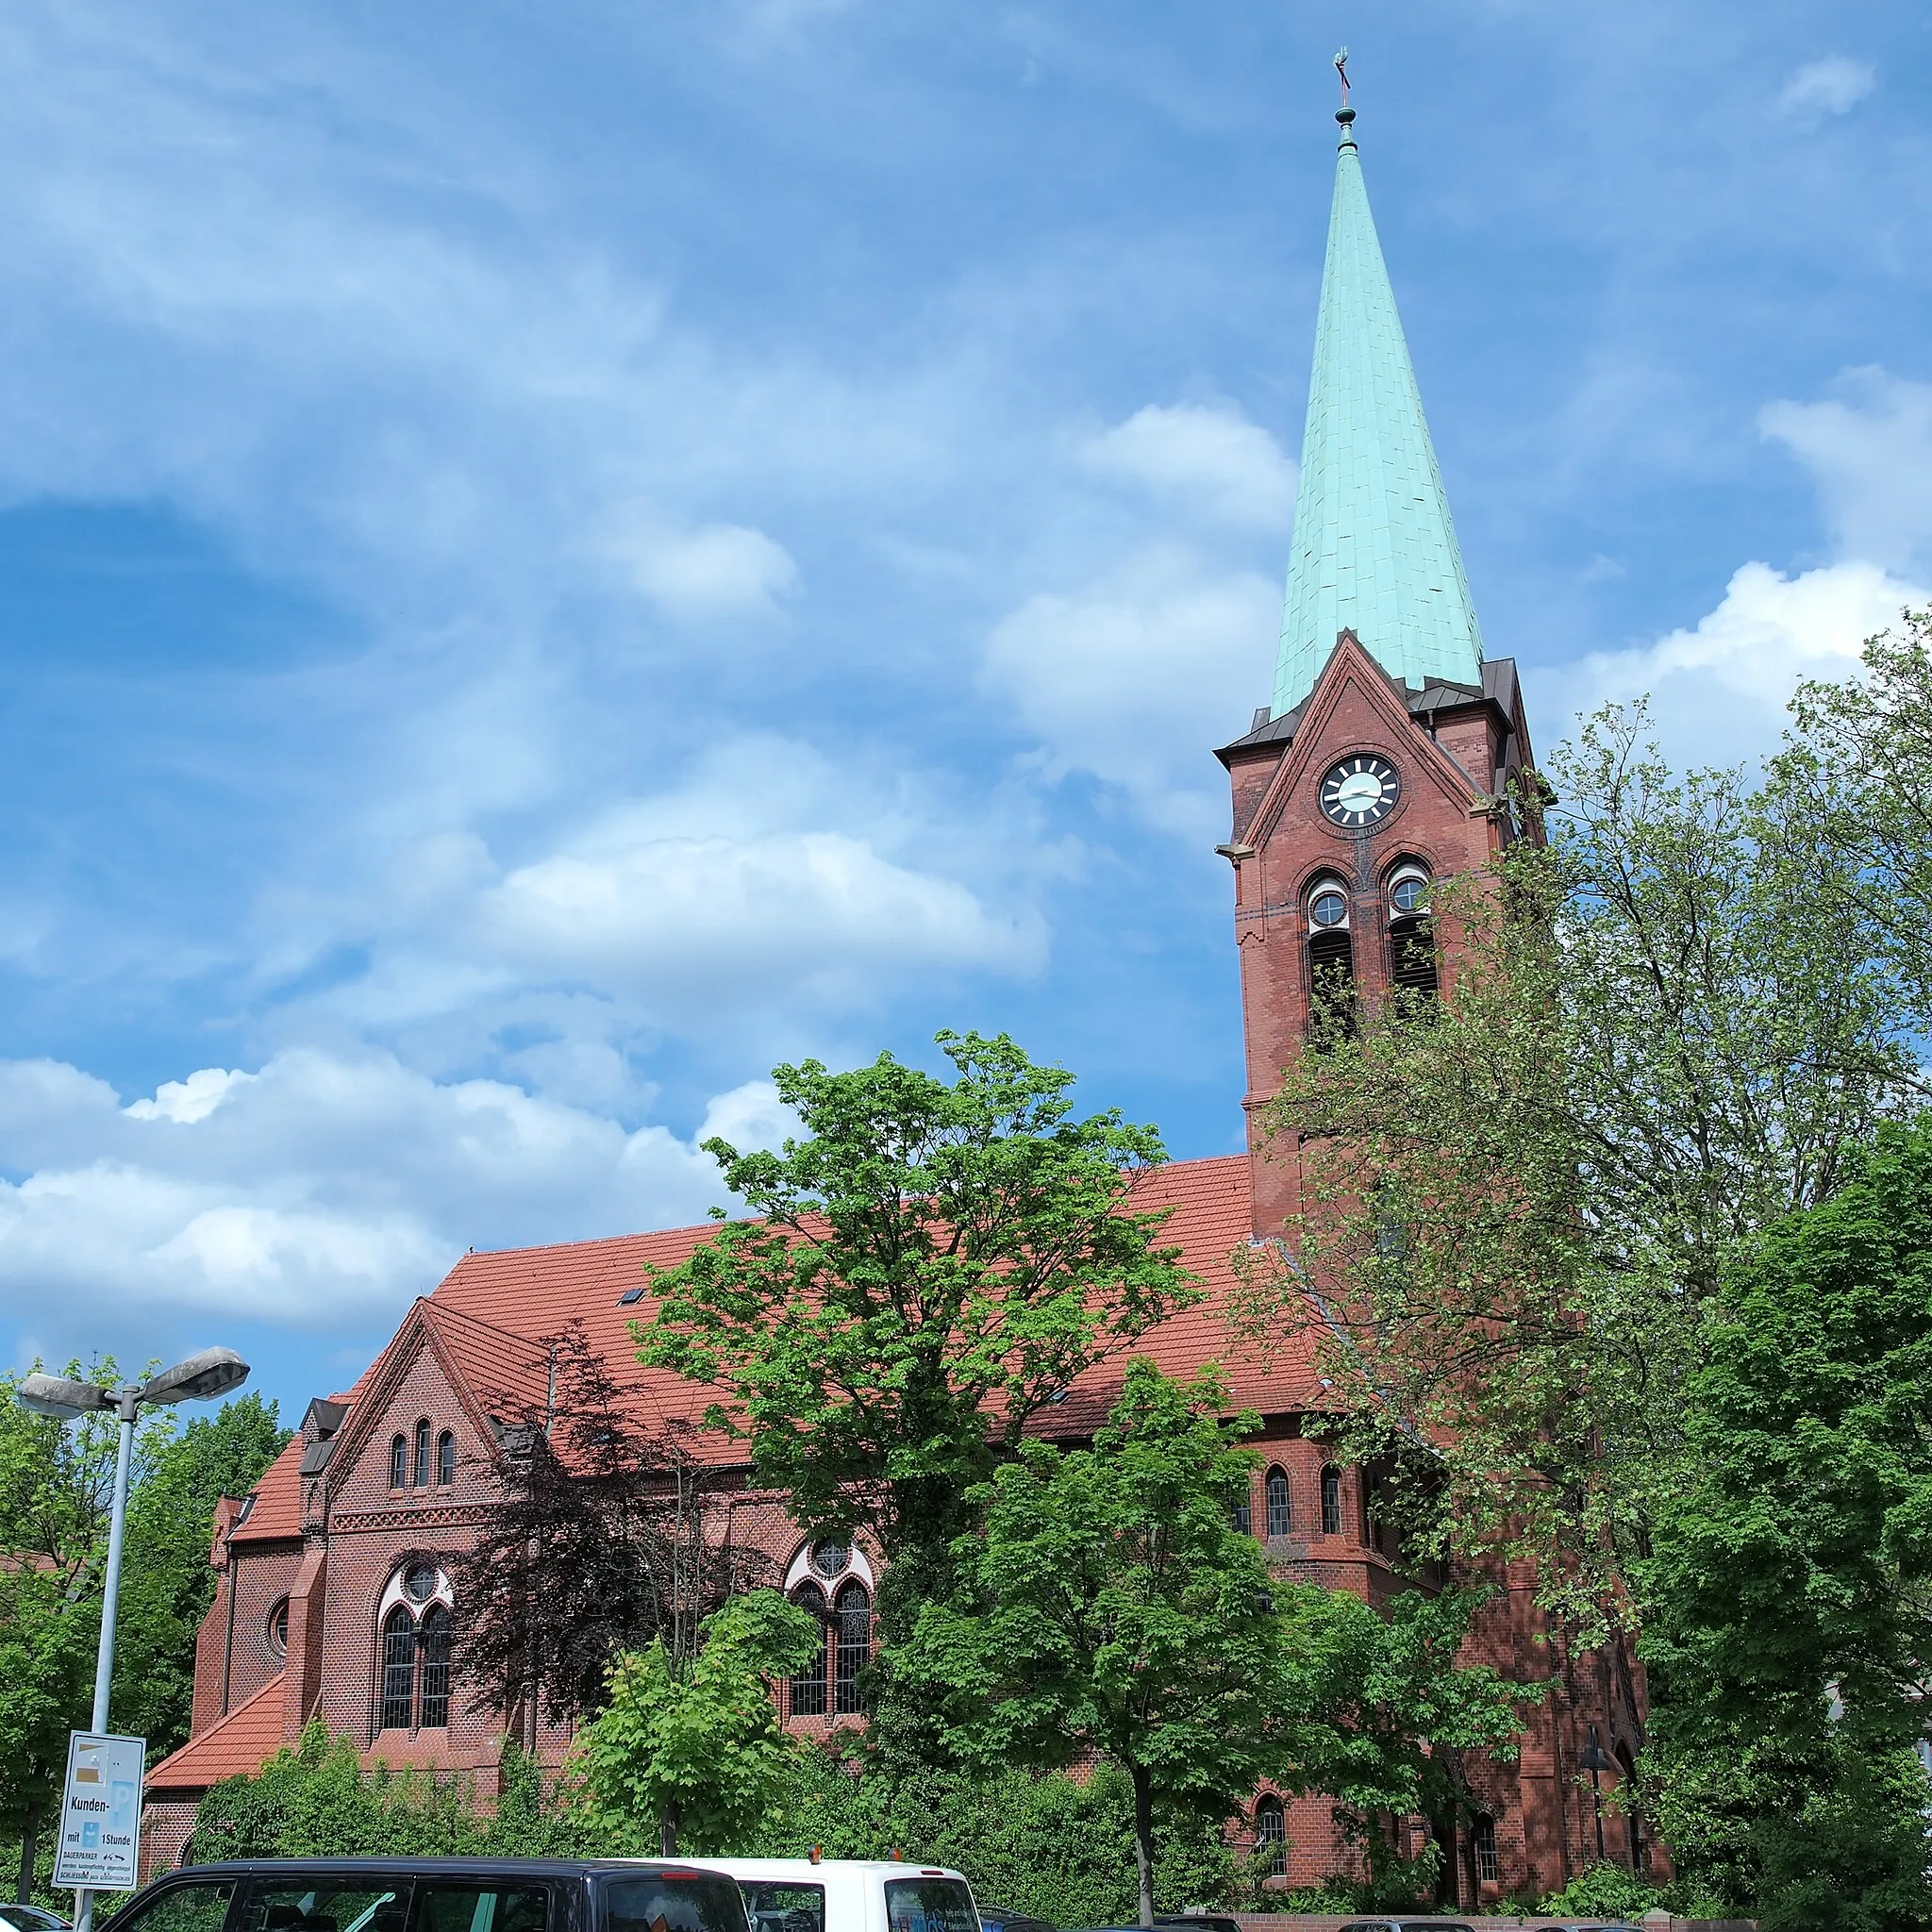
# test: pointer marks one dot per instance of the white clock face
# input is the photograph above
(1360, 791)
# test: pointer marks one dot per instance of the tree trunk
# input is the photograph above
(667, 1832)
(30, 1836)
(1143, 1839)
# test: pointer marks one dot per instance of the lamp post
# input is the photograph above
(200, 1379)
(1594, 1761)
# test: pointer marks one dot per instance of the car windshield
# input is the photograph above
(674, 1901)
(782, 1906)
(929, 1905)
(182, 1909)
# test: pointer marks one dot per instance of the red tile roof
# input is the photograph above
(277, 1507)
(244, 1740)
(534, 1291)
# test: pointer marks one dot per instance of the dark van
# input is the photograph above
(437, 1895)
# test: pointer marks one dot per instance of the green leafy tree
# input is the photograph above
(1789, 1598)
(1857, 768)
(929, 1265)
(1109, 1609)
(1393, 1719)
(1659, 1034)
(693, 1747)
(167, 1582)
(56, 1491)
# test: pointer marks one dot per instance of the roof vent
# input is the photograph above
(629, 1296)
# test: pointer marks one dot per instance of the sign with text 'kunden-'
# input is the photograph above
(99, 1848)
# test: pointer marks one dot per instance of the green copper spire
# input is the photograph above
(1374, 551)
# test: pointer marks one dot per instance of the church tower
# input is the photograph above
(1384, 758)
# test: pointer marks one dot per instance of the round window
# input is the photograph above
(1410, 895)
(1328, 907)
(420, 1584)
(279, 1628)
(829, 1557)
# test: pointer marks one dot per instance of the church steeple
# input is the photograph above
(1375, 549)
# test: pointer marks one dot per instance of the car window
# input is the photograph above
(929, 1905)
(187, 1907)
(465, 1905)
(323, 1905)
(783, 1906)
(673, 1902)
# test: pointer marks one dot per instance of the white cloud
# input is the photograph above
(1206, 457)
(317, 1191)
(1717, 690)
(1137, 675)
(1834, 85)
(1869, 449)
(751, 1116)
(715, 570)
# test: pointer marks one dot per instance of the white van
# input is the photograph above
(848, 1894)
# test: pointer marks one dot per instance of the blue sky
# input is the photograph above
(553, 558)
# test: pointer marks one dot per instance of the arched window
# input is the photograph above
(1270, 1837)
(808, 1686)
(433, 1641)
(1331, 962)
(1281, 1510)
(1411, 934)
(398, 1670)
(853, 1646)
(1331, 1500)
(398, 1463)
(421, 1477)
(445, 1459)
(1244, 1515)
(1482, 1839)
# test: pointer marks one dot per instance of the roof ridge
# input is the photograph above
(447, 1311)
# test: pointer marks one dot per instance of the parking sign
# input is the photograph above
(100, 1813)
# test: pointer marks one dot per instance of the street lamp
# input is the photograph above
(200, 1379)
(1594, 1759)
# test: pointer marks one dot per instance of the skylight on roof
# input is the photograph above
(628, 1296)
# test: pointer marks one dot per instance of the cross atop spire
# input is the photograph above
(1375, 549)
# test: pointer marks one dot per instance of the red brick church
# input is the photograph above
(1380, 764)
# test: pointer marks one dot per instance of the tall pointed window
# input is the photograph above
(1270, 1837)
(398, 1463)
(1331, 963)
(853, 1646)
(398, 1670)
(1280, 1508)
(1243, 1513)
(445, 1459)
(1411, 934)
(808, 1686)
(421, 1476)
(1482, 1837)
(1331, 1500)
(433, 1641)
